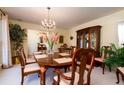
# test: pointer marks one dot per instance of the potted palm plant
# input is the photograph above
(17, 36)
(116, 58)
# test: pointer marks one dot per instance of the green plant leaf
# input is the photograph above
(17, 35)
(116, 57)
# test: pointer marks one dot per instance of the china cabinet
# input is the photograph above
(89, 37)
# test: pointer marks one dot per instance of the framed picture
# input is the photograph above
(61, 39)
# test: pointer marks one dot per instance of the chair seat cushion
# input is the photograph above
(121, 69)
(67, 82)
(99, 59)
(30, 60)
(31, 67)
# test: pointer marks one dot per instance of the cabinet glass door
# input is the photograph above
(81, 41)
(86, 40)
(93, 40)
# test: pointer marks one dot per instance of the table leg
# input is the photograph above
(43, 75)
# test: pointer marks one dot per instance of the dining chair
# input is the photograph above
(28, 60)
(26, 69)
(119, 70)
(103, 55)
(64, 49)
(83, 76)
(70, 54)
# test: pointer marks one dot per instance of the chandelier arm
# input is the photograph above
(48, 23)
(48, 14)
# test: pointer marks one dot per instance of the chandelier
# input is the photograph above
(48, 23)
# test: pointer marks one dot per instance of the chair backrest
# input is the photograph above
(22, 56)
(22, 50)
(64, 50)
(84, 55)
(73, 50)
(104, 51)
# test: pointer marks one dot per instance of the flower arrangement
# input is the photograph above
(51, 39)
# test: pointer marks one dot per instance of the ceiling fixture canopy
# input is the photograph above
(48, 23)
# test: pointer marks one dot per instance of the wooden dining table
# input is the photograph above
(46, 61)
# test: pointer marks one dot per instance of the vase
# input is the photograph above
(50, 51)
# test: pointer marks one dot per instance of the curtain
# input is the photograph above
(6, 49)
(121, 33)
(0, 43)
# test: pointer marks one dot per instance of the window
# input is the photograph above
(121, 33)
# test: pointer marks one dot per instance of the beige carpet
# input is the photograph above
(12, 76)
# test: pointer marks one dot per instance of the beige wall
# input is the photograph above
(108, 31)
(36, 28)
(0, 42)
(32, 40)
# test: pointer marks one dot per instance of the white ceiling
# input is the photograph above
(65, 17)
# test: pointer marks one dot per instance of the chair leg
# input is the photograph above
(68, 68)
(39, 74)
(54, 82)
(103, 67)
(110, 69)
(117, 74)
(122, 77)
(88, 81)
(22, 80)
(65, 68)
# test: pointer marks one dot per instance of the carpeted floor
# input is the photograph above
(12, 76)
